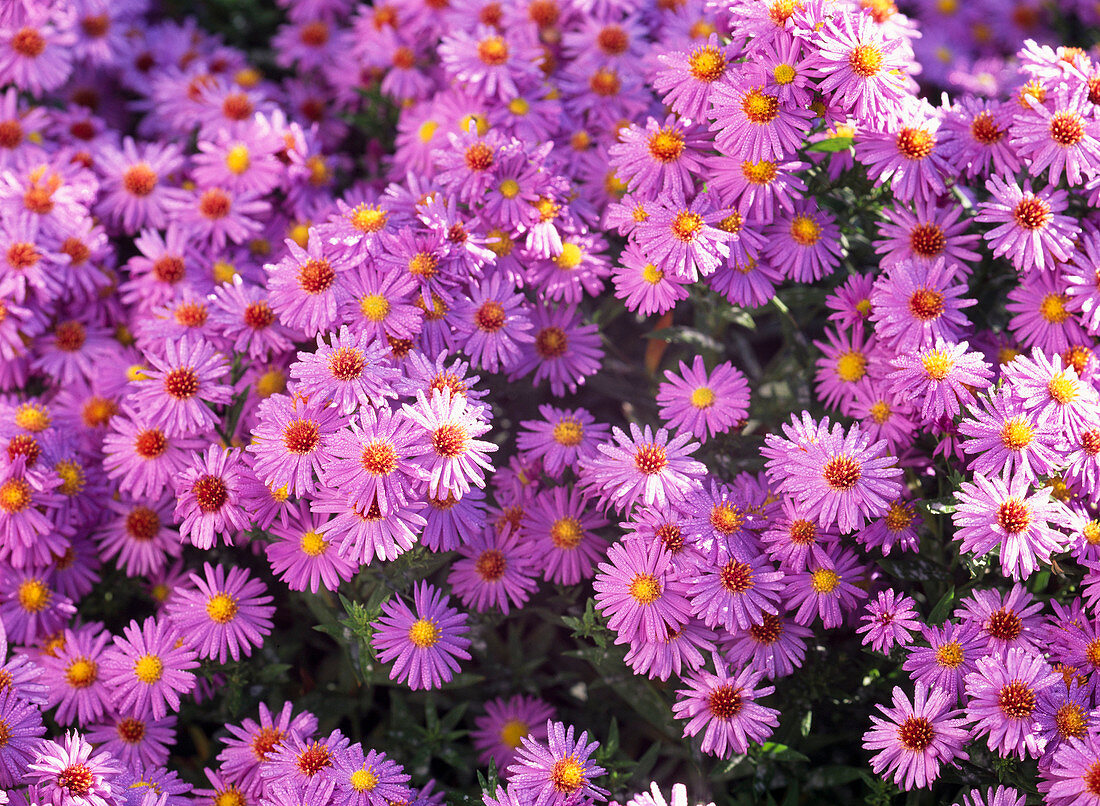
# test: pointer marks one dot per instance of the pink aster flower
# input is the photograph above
(906, 156)
(725, 708)
(425, 642)
(147, 669)
(500, 731)
(76, 684)
(23, 719)
(36, 50)
(348, 370)
(917, 737)
(225, 614)
(941, 375)
(292, 440)
(451, 459)
(561, 523)
(640, 593)
(208, 498)
(1001, 699)
(173, 393)
(804, 242)
(565, 351)
(890, 621)
(999, 512)
(703, 404)
(734, 591)
(136, 190)
(303, 557)
(751, 122)
(367, 779)
(1008, 621)
(827, 590)
(658, 158)
(251, 744)
(1052, 391)
(67, 774)
(497, 570)
(687, 79)
(1069, 779)
(1058, 133)
(492, 323)
(557, 773)
(643, 466)
(912, 305)
(560, 438)
(681, 237)
(1004, 437)
(305, 286)
(927, 233)
(952, 652)
(1030, 229)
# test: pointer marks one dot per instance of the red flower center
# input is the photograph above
(650, 459)
(313, 759)
(346, 364)
(916, 733)
(23, 255)
(707, 64)
(926, 304)
(725, 702)
(214, 204)
(1032, 213)
(11, 133)
(736, 577)
(78, 779)
(449, 440)
(1013, 516)
(210, 493)
(169, 269)
(28, 42)
(1092, 778)
(302, 436)
(490, 316)
(379, 458)
(142, 524)
(927, 240)
(1016, 700)
(1090, 441)
(803, 532)
(181, 383)
(131, 730)
(258, 315)
(493, 51)
(1067, 128)
(265, 741)
(915, 144)
(150, 443)
(479, 157)
(767, 632)
(1004, 625)
(237, 106)
(612, 40)
(671, 536)
(842, 473)
(26, 446)
(551, 342)
(490, 565)
(139, 180)
(316, 276)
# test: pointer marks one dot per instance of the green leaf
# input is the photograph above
(943, 607)
(831, 145)
(780, 752)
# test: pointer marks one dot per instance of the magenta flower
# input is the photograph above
(1006, 622)
(558, 773)
(305, 287)
(497, 570)
(701, 403)
(639, 593)
(688, 79)
(940, 375)
(251, 744)
(224, 615)
(147, 669)
(501, 730)
(1058, 133)
(917, 737)
(349, 370)
(913, 305)
(826, 590)
(303, 557)
(561, 438)
(725, 709)
(660, 158)
(643, 466)
(1052, 391)
(561, 524)
(76, 685)
(751, 122)
(734, 591)
(999, 512)
(1030, 229)
(423, 644)
(208, 498)
(890, 620)
(451, 459)
(1005, 438)
(565, 351)
(682, 238)
(174, 393)
(803, 242)
(1001, 700)
(492, 323)
(292, 442)
(367, 779)
(67, 773)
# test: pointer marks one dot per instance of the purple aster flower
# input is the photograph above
(381, 305)
(137, 743)
(998, 511)
(501, 730)
(803, 242)
(350, 371)
(750, 120)
(67, 773)
(423, 644)
(1073, 776)
(861, 68)
(1006, 438)
(1031, 228)
(22, 722)
(688, 78)
(755, 188)
(147, 669)
(366, 779)
(215, 215)
(369, 462)
(726, 707)
(1042, 317)
(564, 351)
(704, 405)
(208, 498)
(174, 393)
(643, 466)
(917, 737)
(848, 356)
(913, 305)
(362, 532)
(497, 570)
(1005, 622)
(299, 763)
(135, 193)
(36, 50)
(941, 375)
(139, 536)
(492, 63)
(840, 478)
(303, 557)
(639, 592)
(76, 686)
(1052, 392)
(775, 646)
(906, 156)
(30, 608)
(1059, 133)
(658, 158)
(927, 233)
(826, 590)
(225, 614)
(681, 237)
(451, 459)
(557, 773)
(292, 441)
(561, 524)
(795, 541)
(1064, 711)
(976, 137)
(305, 287)
(890, 620)
(643, 287)
(1001, 699)
(252, 743)
(732, 591)
(560, 438)
(491, 323)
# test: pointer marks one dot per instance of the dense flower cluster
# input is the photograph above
(241, 355)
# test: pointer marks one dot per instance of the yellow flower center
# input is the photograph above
(364, 780)
(33, 595)
(851, 366)
(313, 543)
(513, 731)
(375, 307)
(645, 589)
(937, 364)
(81, 673)
(784, 74)
(651, 274)
(703, 397)
(222, 608)
(423, 633)
(1053, 308)
(509, 188)
(149, 669)
(238, 159)
(824, 580)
